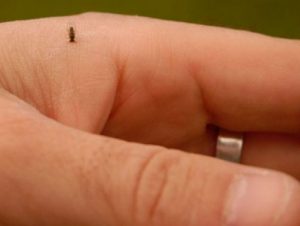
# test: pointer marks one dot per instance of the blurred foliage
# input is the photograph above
(273, 17)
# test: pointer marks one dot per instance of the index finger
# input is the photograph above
(234, 79)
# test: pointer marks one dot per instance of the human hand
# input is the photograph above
(158, 85)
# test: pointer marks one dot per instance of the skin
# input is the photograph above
(118, 128)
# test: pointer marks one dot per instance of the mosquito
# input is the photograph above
(72, 34)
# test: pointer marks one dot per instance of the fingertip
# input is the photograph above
(262, 198)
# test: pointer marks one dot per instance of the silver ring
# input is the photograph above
(229, 146)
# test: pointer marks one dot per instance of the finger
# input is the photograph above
(55, 175)
(234, 79)
(273, 151)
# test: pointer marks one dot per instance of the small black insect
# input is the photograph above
(72, 34)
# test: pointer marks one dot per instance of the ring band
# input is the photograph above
(229, 146)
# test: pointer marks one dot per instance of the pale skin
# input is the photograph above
(115, 129)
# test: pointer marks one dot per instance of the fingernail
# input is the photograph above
(256, 198)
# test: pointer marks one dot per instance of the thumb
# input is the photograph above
(54, 175)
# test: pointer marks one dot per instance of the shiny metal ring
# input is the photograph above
(229, 146)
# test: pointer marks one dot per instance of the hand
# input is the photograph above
(158, 86)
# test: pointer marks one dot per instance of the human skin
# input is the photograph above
(119, 127)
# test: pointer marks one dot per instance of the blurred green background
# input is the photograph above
(273, 17)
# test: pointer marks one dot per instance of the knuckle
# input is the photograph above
(175, 189)
(154, 183)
